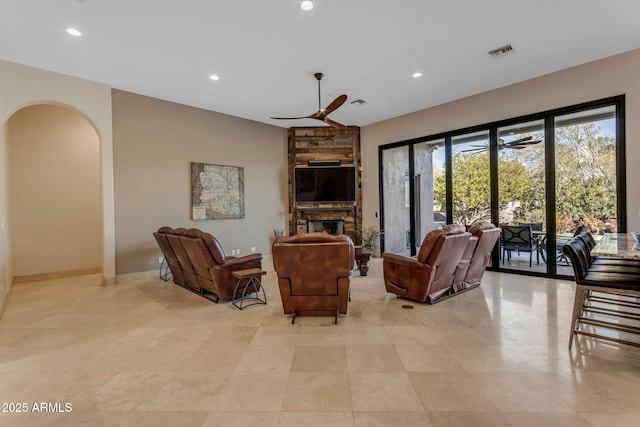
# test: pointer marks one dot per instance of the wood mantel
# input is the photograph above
(325, 144)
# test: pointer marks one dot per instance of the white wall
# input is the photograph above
(608, 77)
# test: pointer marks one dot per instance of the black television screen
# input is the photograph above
(325, 184)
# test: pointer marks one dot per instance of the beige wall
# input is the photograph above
(55, 211)
(5, 268)
(21, 86)
(226, 140)
(154, 143)
(596, 80)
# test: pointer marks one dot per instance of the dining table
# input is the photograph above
(617, 245)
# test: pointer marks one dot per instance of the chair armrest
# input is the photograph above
(400, 259)
(234, 261)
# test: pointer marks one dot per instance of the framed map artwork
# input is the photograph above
(217, 191)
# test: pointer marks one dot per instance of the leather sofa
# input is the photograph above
(430, 275)
(197, 262)
(313, 272)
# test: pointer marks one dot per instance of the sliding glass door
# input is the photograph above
(549, 174)
(429, 172)
(470, 178)
(396, 200)
(521, 196)
(586, 176)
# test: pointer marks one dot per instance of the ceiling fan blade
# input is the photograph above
(522, 144)
(475, 150)
(518, 141)
(311, 116)
(287, 118)
(322, 114)
(333, 123)
(537, 141)
(335, 104)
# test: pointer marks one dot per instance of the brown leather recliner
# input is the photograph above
(476, 257)
(201, 263)
(488, 234)
(314, 273)
(430, 275)
(169, 255)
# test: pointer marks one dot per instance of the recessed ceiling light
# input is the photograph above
(306, 5)
(214, 77)
(74, 32)
(416, 75)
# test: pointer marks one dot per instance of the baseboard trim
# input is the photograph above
(56, 275)
(130, 277)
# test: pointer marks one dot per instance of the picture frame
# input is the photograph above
(217, 191)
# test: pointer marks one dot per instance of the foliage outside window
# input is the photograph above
(585, 182)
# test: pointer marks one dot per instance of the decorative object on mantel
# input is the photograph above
(217, 191)
(278, 232)
(322, 114)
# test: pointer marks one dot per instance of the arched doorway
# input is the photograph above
(55, 196)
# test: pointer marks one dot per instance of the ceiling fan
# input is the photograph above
(516, 144)
(322, 114)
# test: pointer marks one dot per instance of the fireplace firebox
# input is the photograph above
(326, 226)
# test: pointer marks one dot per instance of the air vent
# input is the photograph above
(501, 51)
(359, 101)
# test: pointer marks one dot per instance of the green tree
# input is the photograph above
(471, 187)
(586, 176)
(585, 181)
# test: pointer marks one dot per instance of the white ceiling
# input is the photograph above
(266, 51)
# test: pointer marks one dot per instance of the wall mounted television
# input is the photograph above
(325, 184)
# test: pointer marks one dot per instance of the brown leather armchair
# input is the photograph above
(199, 263)
(476, 257)
(314, 273)
(430, 275)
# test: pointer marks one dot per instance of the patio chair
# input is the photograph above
(538, 236)
(518, 238)
(562, 257)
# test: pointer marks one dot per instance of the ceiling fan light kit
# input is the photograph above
(322, 114)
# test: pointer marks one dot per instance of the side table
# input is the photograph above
(251, 290)
(165, 273)
(362, 259)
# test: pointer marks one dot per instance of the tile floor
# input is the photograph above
(150, 353)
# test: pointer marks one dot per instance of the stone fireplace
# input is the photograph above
(325, 226)
(314, 146)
